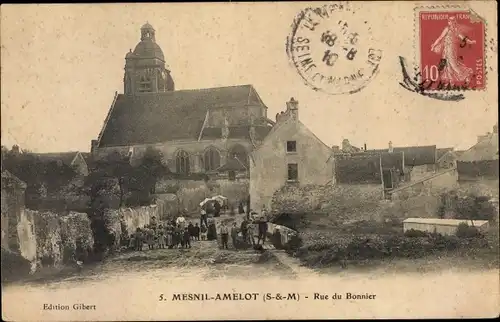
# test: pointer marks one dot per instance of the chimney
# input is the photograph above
(391, 149)
(335, 148)
(93, 146)
(292, 108)
(345, 144)
(365, 146)
(16, 150)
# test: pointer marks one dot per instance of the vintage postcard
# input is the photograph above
(272, 160)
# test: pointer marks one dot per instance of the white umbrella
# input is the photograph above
(219, 198)
(205, 201)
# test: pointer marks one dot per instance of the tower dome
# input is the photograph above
(145, 70)
(147, 47)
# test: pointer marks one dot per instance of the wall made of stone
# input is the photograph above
(191, 192)
(341, 202)
(480, 187)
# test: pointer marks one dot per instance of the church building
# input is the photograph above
(207, 130)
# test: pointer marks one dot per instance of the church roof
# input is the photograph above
(176, 115)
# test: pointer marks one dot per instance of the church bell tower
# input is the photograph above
(145, 70)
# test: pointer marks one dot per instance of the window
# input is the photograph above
(182, 162)
(293, 172)
(239, 152)
(291, 146)
(211, 159)
(232, 175)
(145, 84)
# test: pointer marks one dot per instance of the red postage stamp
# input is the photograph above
(451, 50)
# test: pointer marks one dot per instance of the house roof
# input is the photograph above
(486, 149)
(415, 155)
(440, 152)
(176, 115)
(9, 177)
(66, 157)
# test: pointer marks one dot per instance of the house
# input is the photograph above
(382, 168)
(196, 131)
(74, 160)
(419, 161)
(478, 166)
(289, 155)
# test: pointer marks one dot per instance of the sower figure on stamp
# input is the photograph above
(451, 68)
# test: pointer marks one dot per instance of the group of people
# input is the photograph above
(170, 235)
(252, 230)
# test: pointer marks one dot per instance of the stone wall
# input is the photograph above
(127, 220)
(341, 202)
(190, 193)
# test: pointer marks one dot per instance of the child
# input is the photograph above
(186, 238)
(203, 231)
(196, 231)
(161, 239)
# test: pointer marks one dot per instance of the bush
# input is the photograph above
(466, 231)
(415, 233)
(14, 265)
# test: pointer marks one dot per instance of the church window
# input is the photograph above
(182, 162)
(211, 159)
(239, 152)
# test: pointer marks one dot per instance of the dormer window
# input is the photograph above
(291, 146)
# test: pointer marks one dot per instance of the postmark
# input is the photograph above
(451, 49)
(332, 50)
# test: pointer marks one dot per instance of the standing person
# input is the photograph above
(196, 230)
(150, 238)
(217, 208)
(262, 226)
(234, 234)
(169, 233)
(186, 239)
(203, 232)
(244, 229)
(161, 238)
(138, 239)
(180, 236)
(224, 233)
(190, 229)
(241, 210)
(203, 217)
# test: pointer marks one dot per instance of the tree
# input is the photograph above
(114, 166)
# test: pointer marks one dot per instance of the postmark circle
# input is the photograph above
(333, 51)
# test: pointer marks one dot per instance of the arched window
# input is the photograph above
(182, 162)
(239, 152)
(211, 159)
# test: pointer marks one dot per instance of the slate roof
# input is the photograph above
(159, 117)
(415, 155)
(486, 149)
(8, 177)
(65, 157)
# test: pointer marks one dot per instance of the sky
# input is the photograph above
(61, 65)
